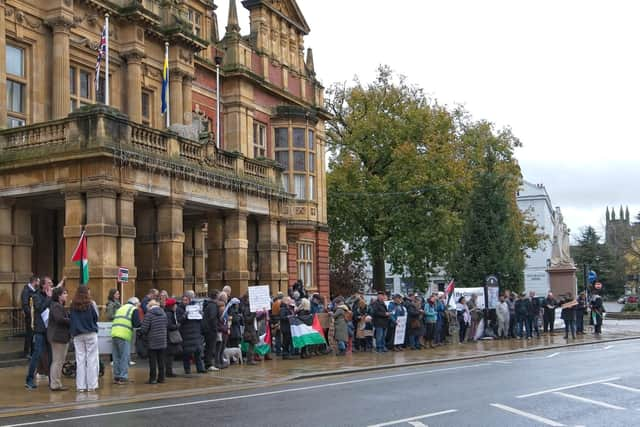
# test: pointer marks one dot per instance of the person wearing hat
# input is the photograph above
(396, 310)
(125, 321)
(175, 348)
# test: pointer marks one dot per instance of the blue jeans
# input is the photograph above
(522, 328)
(380, 334)
(342, 346)
(414, 341)
(439, 334)
(40, 344)
(121, 350)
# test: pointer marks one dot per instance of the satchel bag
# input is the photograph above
(175, 337)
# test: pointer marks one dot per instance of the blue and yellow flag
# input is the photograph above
(165, 82)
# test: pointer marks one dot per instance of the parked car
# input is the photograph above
(622, 300)
(632, 299)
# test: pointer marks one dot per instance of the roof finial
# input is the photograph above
(607, 214)
(309, 62)
(232, 22)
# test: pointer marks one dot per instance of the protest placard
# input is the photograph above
(259, 298)
(401, 328)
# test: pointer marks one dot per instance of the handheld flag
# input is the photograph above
(303, 334)
(449, 291)
(81, 258)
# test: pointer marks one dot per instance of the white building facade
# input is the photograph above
(534, 201)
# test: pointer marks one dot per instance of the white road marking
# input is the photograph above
(417, 424)
(245, 396)
(593, 402)
(501, 362)
(607, 347)
(534, 417)
(552, 355)
(551, 390)
(623, 387)
(419, 417)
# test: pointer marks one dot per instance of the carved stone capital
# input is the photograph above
(133, 57)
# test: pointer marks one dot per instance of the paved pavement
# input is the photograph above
(573, 386)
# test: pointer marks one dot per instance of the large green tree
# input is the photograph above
(495, 233)
(395, 177)
(597, 257)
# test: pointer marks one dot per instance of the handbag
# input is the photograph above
(175, 337)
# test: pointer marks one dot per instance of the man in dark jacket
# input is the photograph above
(286, 311)
(549, 316)
(380, 316)
(26, 298)
(523, 308)
(190, 320)
(210, 329)
(41, 303)
(534, 315)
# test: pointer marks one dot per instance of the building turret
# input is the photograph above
(607, 215)
(626, 214)
(621, 213)
(233, 25)
(311, 68)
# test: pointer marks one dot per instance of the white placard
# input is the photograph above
(479, 292)
(193, 312)
(259, 298)
(401, 328)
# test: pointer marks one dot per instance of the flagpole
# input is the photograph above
(166, 56)
(106, 61)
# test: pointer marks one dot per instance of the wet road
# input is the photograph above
(592, 385)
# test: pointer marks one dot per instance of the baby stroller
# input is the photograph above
(69, 367)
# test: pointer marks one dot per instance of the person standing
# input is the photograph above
(441, 319)
(154, 327)
(27, 300)
(173, 348)
(380, 316)
(464, 318)
(476, 315)
(430, 317)
(568, 315)
(549, 316)
(84, 330)
(41, 302)
(597, 313)
(502, 312)
(341, 315)
(534, 315)
(113, 304)
(190, 319)
(58, 336)
(580, 309)
(126, 319)
(210, 330)
(522, 311)
(510, 299)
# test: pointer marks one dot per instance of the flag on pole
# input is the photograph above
(449, 291)
(81, 258)
(102, 50)
(303, 334)
(165, 81)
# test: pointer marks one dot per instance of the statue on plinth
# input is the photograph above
(560, 255)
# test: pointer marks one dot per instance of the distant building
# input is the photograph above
(534, 200)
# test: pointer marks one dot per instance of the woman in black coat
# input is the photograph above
(191, 331)
(154, 328)
(415, 323)
(170, 310)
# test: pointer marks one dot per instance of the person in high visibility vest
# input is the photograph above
(125, 321)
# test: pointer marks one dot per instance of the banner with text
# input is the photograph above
(479, 292)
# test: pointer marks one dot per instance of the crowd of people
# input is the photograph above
(209, 333)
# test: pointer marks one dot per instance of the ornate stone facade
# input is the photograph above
(168, 204)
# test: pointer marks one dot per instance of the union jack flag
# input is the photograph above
(102, 50)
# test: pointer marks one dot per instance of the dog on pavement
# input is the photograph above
(233, 354)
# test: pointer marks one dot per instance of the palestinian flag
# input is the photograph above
(80, 257)
(264, 345)
(303, 334)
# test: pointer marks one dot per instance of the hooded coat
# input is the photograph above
(341, 330)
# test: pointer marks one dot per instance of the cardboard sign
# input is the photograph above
(259, 298)
(123, 275)
(401, 329)
(479, 292)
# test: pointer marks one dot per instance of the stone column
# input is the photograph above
(127, 241)
(269, 253)
(146, 249)
(198, 257)
(215, 250)
(60, 102)
(189, 281)
(235, 252)
(283, 249)
(102, 242)
(74, 219)
(175, 96)
(134, 84)
(170, 239)
(187, 106)
(7, 240)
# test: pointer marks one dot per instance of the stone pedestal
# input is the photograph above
(562, 279)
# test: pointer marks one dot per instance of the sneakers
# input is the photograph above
(212, 369)
(30, 386)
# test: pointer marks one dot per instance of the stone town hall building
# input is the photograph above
(167, 204)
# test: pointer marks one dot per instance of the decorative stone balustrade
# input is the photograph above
(49, 133)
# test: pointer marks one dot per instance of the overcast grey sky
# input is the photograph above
(563, 74)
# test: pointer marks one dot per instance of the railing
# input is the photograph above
(225, 161)
(190, 150)
(37, 135)
(148, 139)
(255, 169)
(11, 322)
